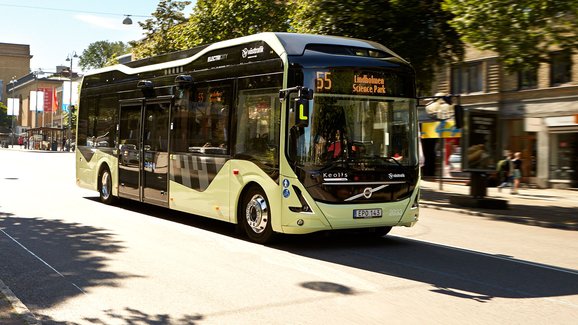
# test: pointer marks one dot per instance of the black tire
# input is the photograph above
(380, 231)
(105, 186)
(255, 216)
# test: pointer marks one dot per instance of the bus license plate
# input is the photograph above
(367, 213)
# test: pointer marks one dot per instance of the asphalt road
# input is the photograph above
(72, 260)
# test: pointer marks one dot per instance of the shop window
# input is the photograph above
(467, 78)
(560, 68)
(564, 161)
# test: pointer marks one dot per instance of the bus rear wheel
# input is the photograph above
(255, 214)
(105, 186)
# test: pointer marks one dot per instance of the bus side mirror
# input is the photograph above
(301, 104)
(184, 81)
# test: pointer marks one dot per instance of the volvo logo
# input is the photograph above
(367, 192)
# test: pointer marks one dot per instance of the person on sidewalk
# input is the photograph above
(517, 171)
(505, 170)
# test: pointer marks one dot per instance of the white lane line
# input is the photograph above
(40, 259)
(503, 258)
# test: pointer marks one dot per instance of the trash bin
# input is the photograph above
(54, 146)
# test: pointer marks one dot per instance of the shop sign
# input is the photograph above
(440, 129)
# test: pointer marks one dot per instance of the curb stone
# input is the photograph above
(20, 309)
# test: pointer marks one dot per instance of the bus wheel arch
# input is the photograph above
(104, 182)
(254, 214)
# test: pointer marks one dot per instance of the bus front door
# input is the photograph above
(155, 138)
(130, 143)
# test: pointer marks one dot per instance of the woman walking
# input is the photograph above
(517, 165)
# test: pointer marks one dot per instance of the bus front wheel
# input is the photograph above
(255, 214)
(105, 186)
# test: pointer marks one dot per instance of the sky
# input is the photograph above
(58, 28)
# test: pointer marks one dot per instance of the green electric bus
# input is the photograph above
(275, 132)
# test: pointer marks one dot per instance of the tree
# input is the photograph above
(217, 20)
(102, 53)
(158, 38)
(417, 30)
(522, 32)
(5, 119)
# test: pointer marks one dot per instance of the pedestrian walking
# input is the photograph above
(505, 170)
(517, 171)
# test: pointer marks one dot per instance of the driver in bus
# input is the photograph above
(336, 147)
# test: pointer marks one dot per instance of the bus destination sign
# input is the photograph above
(368, 85)
(350, 82)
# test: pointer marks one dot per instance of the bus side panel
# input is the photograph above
(85, 171)
(88, 166)
(411, 215)
(300, 222)
(212, 202)
(248, 172)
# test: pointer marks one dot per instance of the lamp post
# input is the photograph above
(13, 84)
(70, 58)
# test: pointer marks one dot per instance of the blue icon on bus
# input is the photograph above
(285, 183)
(286, 193)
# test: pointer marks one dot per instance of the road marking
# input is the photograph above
(40, 259)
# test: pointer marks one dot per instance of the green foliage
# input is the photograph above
(216, 20)
(69, 118)
(417, 30)
(521, 31)
(159, 30)
(5, 120)
(101, 54)
(211, 21)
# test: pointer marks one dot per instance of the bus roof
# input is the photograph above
(290, 44)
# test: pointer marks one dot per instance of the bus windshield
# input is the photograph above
(366, 130)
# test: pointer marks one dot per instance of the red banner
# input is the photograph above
(48, 98)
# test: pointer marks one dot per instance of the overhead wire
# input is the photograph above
(71, 10)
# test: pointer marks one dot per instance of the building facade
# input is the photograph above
(14, 63)
(537, 110)
(44, 99)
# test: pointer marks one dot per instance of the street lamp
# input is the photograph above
(70, 58)
(13, 84)
(127, 20)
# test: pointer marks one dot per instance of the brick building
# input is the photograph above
(537, 110)
(14, 63)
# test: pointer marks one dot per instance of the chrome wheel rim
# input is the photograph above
(257, 213)
(105, 185)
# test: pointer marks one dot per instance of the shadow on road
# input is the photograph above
(449, 271)
(51, 261)
(446, 270)
(130, 316)
(457, 272)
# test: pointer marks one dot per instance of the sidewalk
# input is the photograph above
(12, 311)
(549, 208)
